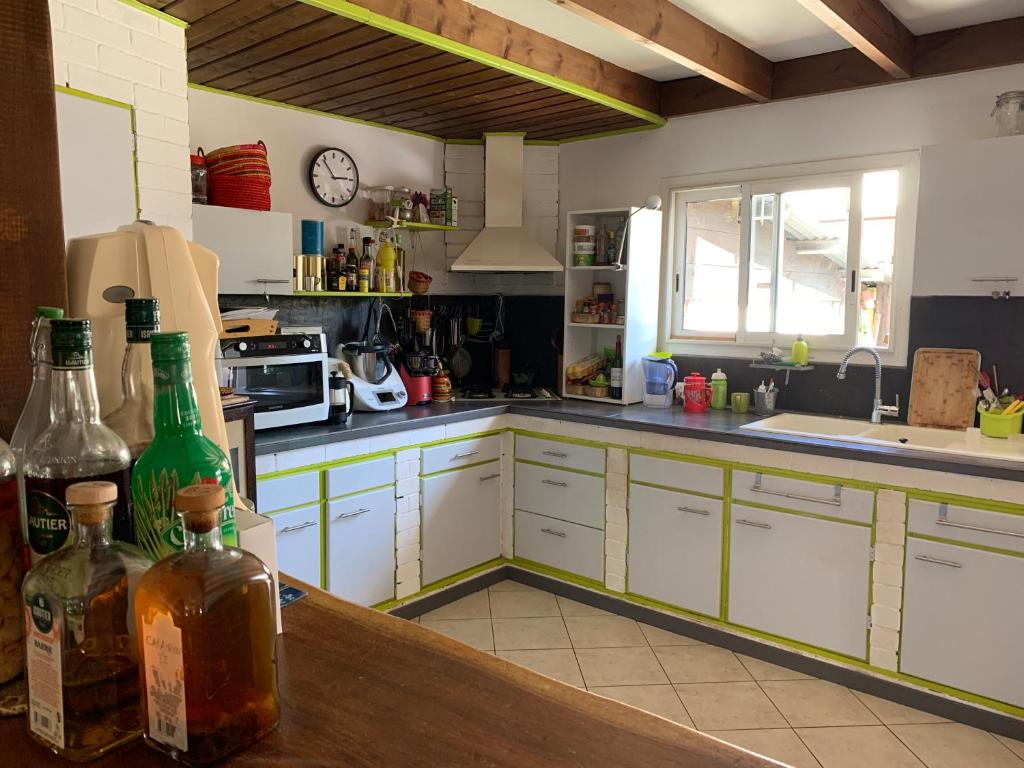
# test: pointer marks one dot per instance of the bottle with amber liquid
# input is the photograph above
(207, 640)
(80, 652)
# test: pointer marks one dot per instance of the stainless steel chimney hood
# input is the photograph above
(503, 245)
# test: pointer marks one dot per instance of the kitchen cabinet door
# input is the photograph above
(801, 578)
(963, 619)
(255, 248)
(361, 547)
(675, 548)
(298, 543)
(461, 520)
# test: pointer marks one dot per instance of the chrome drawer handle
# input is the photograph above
(754, 524)
(835, 501)
(489, 477)
(299, 527)
(343, 515)
(942, 520)
(556, 483)
(559, 534)
(466, 455)
(555, 454)
(693, 511)
(938, 561)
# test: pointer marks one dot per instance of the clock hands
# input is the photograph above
(336, 178)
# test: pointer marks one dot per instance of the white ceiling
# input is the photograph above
(777, 29)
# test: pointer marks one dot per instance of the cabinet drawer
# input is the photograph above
(557, 493)
(288, 491)
(461, 453)
(948, 521)
(673, 473)
(963, 619)
(675, 548)
(566, 546)
(569, 455)
(361, 547)
(854, 504)
(298, 543)
(302, 457)
(360, 476)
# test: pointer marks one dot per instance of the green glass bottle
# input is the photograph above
(180, 454)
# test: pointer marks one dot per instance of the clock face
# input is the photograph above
(333, 177)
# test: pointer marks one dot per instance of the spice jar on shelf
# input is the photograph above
(583, 245)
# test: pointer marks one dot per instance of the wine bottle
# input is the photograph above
(615, 390)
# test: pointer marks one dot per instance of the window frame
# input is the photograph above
(778, 179)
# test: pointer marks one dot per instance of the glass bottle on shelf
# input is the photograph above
(615, 374)
(12, 559)
(208, 640)
(81, 653)
(35, 415)
(76, 446)
(133, 419)
(180, 454)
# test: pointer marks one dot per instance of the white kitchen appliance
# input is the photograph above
(376, 382)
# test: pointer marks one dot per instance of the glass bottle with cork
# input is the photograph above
(77, 446)
(180, 454)
(133, 419)
(211, 689)
(81, 653)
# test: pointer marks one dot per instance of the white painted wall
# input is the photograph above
(624, 170)
(112, 49)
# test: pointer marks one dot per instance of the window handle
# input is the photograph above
(853, 281)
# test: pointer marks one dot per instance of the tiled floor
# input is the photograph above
(788, 716)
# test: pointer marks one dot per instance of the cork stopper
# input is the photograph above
(200, 506)
(91, 500)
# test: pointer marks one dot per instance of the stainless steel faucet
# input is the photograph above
(878, 410)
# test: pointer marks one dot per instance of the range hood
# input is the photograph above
(503, 245)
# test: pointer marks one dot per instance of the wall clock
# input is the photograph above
(333, 177)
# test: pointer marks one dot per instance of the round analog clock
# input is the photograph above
(333, 177)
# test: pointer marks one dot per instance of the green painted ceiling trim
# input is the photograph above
(607, 134)
(308, 111)
(449, 470)
(966, 545)
(675, 489)
(357, 13)
(560, 469)
(155, 12)
(504, 133)
(93, 97)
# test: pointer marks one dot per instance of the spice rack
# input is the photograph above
(634, 287)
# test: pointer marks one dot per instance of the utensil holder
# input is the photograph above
(994, 424)
(764, 402)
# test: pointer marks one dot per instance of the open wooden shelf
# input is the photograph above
(387, 224)
(353, 294)
(596, 325)
(600, 268)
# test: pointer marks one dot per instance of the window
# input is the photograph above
(826, 254)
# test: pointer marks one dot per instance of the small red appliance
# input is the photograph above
(418, 385)
(696, 393)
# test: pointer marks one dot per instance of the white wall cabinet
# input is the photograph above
(802, 578)
(298, 543)
(963, 619)
(255, 248)
(461, 527)
(361, 547)
(675, 548)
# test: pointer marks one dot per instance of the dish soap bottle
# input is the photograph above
(799, 352)
(80, 651)
(719, 390)
(207, 638)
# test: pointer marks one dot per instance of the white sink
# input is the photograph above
(961, 442)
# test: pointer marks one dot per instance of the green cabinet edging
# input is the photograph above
(560, 469)
(449, 470)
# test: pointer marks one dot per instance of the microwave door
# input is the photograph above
(292, 388)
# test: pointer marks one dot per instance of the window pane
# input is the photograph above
(711, 279)
(811, 291)
(877, 247)
(763, 247)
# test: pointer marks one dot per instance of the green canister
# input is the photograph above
(719, 390)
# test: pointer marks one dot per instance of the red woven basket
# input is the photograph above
(239, 176)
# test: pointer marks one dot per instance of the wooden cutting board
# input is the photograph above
(943, 388)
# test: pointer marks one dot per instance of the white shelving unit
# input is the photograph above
(637, 284)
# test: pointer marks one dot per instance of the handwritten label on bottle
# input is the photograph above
(43, 662)
(165, 682)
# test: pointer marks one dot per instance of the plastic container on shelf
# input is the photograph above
(583, 245)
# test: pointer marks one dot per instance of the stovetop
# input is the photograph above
(509, 393)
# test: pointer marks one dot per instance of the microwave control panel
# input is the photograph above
(271, 346)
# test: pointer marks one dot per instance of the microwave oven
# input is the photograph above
(286, 375)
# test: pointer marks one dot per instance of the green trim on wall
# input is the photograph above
(572, 578)
(357, 13)
(726, 534)
(446, 582)
(609, 134)
(92, 97)
(560, 469)
(155, 12)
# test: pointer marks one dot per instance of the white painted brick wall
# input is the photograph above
(112, 49)
(616, 531)
(407, 523)
(508, 501)
(887, 579)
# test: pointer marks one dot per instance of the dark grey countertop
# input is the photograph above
(717, 426)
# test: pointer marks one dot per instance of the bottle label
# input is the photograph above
(72, 358)
(165, 682)
(616, 377)
(158, 528)
(49, 523)
(43, 664)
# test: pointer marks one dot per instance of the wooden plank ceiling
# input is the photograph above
(295, 53)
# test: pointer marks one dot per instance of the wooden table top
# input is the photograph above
(362, 688)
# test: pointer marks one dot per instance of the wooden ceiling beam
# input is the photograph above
(684, 39)
(872, 29)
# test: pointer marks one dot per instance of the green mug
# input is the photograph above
(740, 402)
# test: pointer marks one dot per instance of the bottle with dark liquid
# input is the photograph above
(133, 419)
(80, 650)
(76, 446)
(615, 390)
(207, 635)
(352, 266)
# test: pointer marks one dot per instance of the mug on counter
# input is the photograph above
(740, 402)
